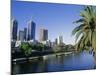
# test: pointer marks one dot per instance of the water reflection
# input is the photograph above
(79, 61)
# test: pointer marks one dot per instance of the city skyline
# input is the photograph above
(56, 19)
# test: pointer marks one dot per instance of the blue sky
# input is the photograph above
(57, 18)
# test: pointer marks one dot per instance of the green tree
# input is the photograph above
(26, 49)
(86, 31)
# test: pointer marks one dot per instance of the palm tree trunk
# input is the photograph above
(95, 57)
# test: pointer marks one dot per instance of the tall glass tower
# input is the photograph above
(31, 30)
(25, 34)
(60, 40)
(14, 29)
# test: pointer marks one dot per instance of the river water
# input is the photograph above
(52, 63)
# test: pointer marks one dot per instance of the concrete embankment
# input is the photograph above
(43, 57)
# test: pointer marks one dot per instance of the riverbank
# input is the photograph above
(44, 56)
(53, 63)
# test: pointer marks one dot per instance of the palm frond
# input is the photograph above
(86, 32)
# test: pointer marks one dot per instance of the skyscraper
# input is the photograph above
(56, 41)
(14, 29)
(25, 34)
(21, 35)
(60, 40)
(31, 30)
(43, 35)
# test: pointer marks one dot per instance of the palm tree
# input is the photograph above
(86, 31)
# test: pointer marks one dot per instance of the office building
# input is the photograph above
(14, 29)
(31, 30)
(56, 41)
(43, 35)
(21, 35)
(25, 34)
(60, 40)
